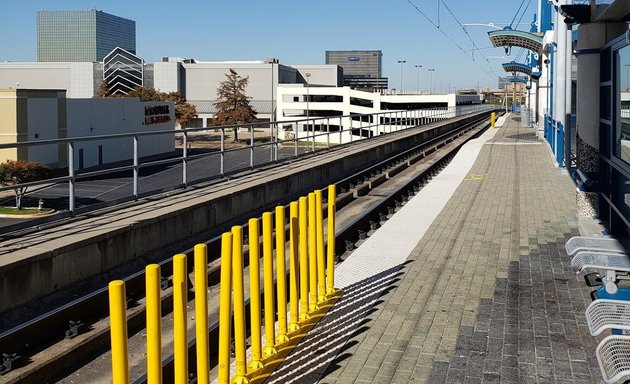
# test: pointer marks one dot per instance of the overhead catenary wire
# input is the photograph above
(489, 71)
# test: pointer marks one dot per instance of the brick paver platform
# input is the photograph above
(486, 296)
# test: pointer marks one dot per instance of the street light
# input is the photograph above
(418, 79)
(308, 76)
(401, 62)
(431, 70)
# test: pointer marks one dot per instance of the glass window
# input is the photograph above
(622, 107)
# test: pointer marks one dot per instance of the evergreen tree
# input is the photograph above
(232, 104)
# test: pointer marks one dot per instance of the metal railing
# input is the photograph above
(266, 143)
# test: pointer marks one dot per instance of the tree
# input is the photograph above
(144, 94)
(103, 90)
(232, 103)
(185, 113)
(21, 171)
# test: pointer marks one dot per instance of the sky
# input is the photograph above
(299, 32)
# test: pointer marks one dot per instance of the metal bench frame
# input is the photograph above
(607, 264)
(603, 314)
(613, 356)
(593, 244)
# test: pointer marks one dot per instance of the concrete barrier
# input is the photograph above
(139, 230)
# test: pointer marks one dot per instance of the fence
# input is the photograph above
(277, 141)
(310, 284)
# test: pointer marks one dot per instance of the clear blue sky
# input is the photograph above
(299, 32)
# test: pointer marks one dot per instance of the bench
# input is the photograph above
(607, 264)
(593, 244)
(603, 314)
(613, 356)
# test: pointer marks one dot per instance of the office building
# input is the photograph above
(123, 71)
(82, 36)
(361, 69)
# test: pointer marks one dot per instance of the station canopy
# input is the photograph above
(517, 67)
(518, 79)
(512, 38)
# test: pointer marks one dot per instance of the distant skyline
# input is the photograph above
(301, 33)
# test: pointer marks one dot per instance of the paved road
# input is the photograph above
(115, 187)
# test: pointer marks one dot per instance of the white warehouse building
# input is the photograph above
(330, 110)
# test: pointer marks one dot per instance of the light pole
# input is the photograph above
(431, 70)
(401, 62)
(418, 78)
(308, 76)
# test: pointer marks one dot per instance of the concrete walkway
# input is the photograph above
(486, 295)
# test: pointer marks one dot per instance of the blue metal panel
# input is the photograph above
(545, 16)
(560, 143)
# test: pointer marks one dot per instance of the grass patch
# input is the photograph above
(23, 211)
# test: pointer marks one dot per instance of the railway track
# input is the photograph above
(32, 352)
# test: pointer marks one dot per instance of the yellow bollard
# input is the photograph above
(312, 253)
(254, 293)
(332, 207)
(118, 332)
(201, 313)
(281, 276)
(303, 244)
(239, 306)
(180, 315)
(154, 324)
(270, 312)
(321, 267)
(492, 119)
(225, 309)
(293, 266)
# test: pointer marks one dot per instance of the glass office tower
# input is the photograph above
(82, 35)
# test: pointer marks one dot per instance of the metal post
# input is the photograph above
(254, 293)
(240, 347)
(303, 250)
(201, 313)
(293, 266)
(251, 148)
(222, 152)
(312, 253)
(401, 62)
(185, 160)
(118, 331)
(225, 309)
(180, 316)
(281, 275)
(71, 177)
(135, 167)
(295, 140)
(154, 324)
(321, 258)
(332, 207)
(328, 132)
(341, 130)
(270, 312)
